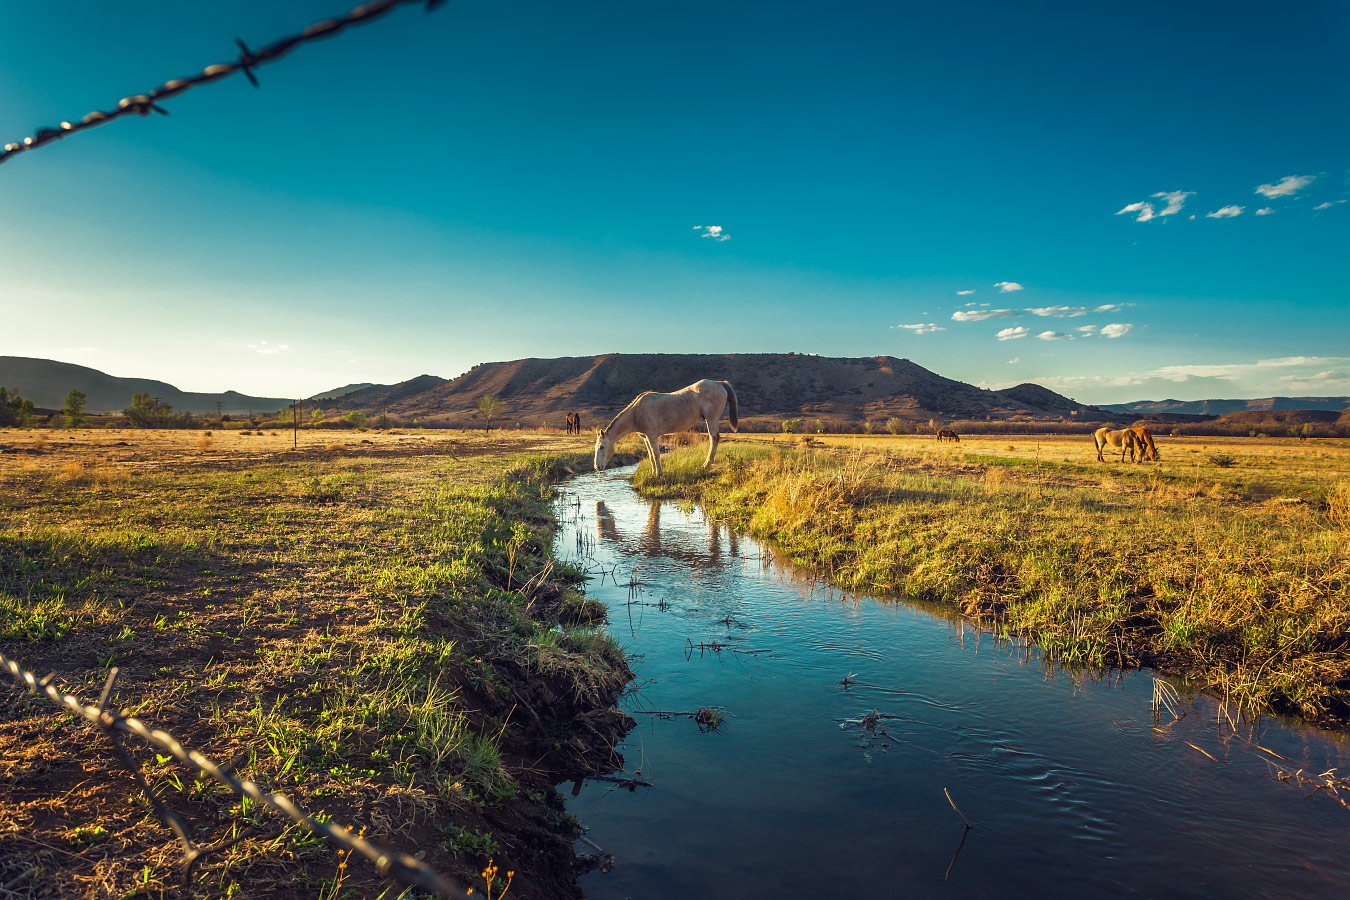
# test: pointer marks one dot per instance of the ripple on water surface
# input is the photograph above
(1071, 786)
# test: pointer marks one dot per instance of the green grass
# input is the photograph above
(1248, 597)
(355, 630)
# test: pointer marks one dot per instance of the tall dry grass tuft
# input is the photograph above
(40, 442)
(205, 443)
(1338, 505)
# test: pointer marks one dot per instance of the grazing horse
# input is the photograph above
(1125, 439)
(945, 434)
(574, 423)
(652, 414)
(1147, 449)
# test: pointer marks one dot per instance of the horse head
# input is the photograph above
(604, 449)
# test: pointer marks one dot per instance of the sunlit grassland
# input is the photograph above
(351, 630)
(1231, 570)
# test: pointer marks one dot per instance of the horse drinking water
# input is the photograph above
(652, 414)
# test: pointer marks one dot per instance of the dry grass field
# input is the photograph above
(1227, 561)
(371, 623)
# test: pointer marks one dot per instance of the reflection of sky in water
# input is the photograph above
(1069, 785)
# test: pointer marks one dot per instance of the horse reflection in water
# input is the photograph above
(652, 543)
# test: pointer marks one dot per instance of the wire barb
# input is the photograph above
(248, 61)
(110, 721)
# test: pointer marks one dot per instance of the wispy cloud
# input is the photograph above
(268, 347)
(1173, 202)
(981, 315)
(1226, 212)
(716, 232)
(1045, 312)
(964, 293)
(921, 328)
(1007, 287)
(1015, 360)
(1087, 329)
(1328, 205)
(1054, 336)
(1012, 334)
(1264, 211)
(1286, 186)
(1116, 329)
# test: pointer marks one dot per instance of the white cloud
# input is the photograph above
(268, 347)
(1087, 329)
(1265, 211)
(1045, 312)
(1116, 329)
(1328, 205)
(713, 231)
(1012, 334)
(1147, 211)
(921, 328)
(1226, 212)
(980, 315)
(1007, 287)
(1175, 200)
(1054, 336)
(1014, 360)
(964, 293)
(1286, 186)
(1057, 312)
(1143, 207)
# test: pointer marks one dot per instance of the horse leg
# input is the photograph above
(653, 451)
(714, 434)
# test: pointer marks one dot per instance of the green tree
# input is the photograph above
(895, 426)
(358, 419)
(147, 412)
(489, 407)
(792, 426)
(14, 410)
(74, 408)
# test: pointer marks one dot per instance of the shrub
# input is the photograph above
(792, 426)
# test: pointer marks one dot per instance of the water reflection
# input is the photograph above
(849, 720)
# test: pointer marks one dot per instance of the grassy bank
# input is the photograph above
(377, 628)
(1229, 564)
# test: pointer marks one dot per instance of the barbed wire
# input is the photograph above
(247, 62)
(109, 720)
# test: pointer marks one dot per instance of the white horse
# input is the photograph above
(1125, 439)
(652, 414)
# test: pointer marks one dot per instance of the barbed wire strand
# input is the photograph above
(247, 62)
(405, 868)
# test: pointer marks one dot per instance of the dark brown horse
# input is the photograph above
(574, 423)
(946, 434)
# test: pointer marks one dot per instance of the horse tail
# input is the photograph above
(731, 406)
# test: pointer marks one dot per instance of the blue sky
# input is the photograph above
(494, 181)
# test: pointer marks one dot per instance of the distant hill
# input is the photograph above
(338, 392)
(768, 385)
(46, 382)
(1223, 407)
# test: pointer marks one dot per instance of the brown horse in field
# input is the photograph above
(1147, 448)
(1124, 439)
(574, 423)
(946, 434)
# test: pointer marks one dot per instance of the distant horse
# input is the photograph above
(652, 414)
(1147, 448)
(574, 423)
(945, 434)
(1124, 439)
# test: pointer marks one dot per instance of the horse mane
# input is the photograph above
(624, 411)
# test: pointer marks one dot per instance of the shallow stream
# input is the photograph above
(1072, 784)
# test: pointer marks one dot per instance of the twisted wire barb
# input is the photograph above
(397, 865)
(247, 61)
